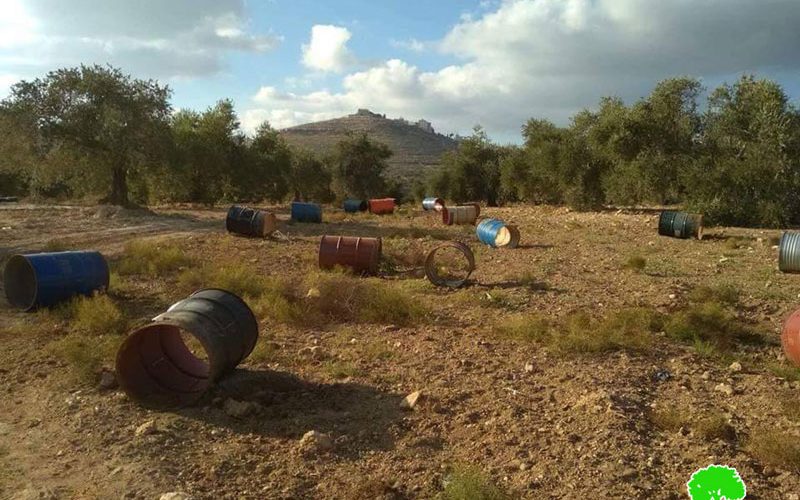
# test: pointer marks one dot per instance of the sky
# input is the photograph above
(458, 64)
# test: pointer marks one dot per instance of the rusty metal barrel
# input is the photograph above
(460, 215)
(156, 367)
(433, 203)
(680, 224)
(381, 206)
(496, 233)
(432, 267)
(352, 206)
(306, 212)
(47, 279)
(250, 222)
(362, 255)
(789, 252)
(790, 338)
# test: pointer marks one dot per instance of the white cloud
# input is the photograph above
(550, 58)
(411, 44)
(153, 38)
(327, 50)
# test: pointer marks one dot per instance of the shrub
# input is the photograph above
(152, 258)
(468, 483)
(97, 315)
(669, 419)
(534, 328)
(722, 294)
(709, 325)
(715, 426)
(635, 263)
(86, 355)
(340, 369)
(775, 448)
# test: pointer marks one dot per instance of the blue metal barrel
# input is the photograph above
(433, 203)
(355, 206)
(496, 233)
(306, 212)
(46, 279)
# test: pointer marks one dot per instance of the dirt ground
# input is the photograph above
(539, 424)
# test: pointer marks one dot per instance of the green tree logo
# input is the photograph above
(716, 482)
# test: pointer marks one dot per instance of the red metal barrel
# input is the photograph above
(381, 206)
(362, 255)
(790, 338)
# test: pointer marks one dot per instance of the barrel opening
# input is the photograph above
(20, 283)
(450, 265)
(163, 365)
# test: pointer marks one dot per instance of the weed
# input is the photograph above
(727, 295)
(635, 263)
(376, 351)
(235, 278)
(263, 352)
(775, 448)
(791, 408)
(784, 371)
(715, 426)
(669, 419)
(469, 483)
(532, 283)
(627, 329)
(340, 369)
(531, 327)
(711, 327)
(86, 355)
(97, 315)
(57, 246)
(152, 258)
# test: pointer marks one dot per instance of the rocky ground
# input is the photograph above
(371, 409)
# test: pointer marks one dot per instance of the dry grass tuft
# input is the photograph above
(669, 419)
(152, 258)
(469, 483)
(775, 448)
(635, 263)
(86, 355)
(727, 295)
(339, 369)
(97, 315)
(711, 328)
(714, 427)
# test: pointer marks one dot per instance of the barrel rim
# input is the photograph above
(430, 267)
(22, 259)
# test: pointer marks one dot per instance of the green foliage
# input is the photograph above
(358, 164)
(469, 483)
(710, 327)
(309, 178)
(152, 258)
(470, 173)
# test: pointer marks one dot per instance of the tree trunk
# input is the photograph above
(119, 187)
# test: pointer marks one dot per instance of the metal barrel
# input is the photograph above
(432, 271)
(250, 222)
(156, 367)
(306, 212)
(362, 255)
(789, 252)
(680, 224)
(46, 279)
(381, 206)
(790, 338)
(355, 206)
(496, 233)
(433, 203)
(460, 215)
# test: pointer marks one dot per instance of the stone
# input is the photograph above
(239, 409)
(735, 367)
(528, 367)
(107, 381)
(146, 428)
(316, 442)
(175, 495)
(724, 388)
(706, 375)
(313, 293)
(410, 401)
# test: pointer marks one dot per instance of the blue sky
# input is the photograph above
(456, 63)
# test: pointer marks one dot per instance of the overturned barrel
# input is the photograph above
(352, 206)
(155, 365)
(47, 279)
(381, 206)
(789, 252)
(680, 224)
(250, 222)
(362, 255)
(433, 203)
(790, 338)
(436, 274)
(496, 233)
(306, 212)
(460, 215)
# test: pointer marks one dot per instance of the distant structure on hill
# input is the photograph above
(417, 147)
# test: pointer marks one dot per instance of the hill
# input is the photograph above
(417, 147)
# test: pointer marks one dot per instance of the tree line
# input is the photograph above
(736, 159)
(94, 131)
